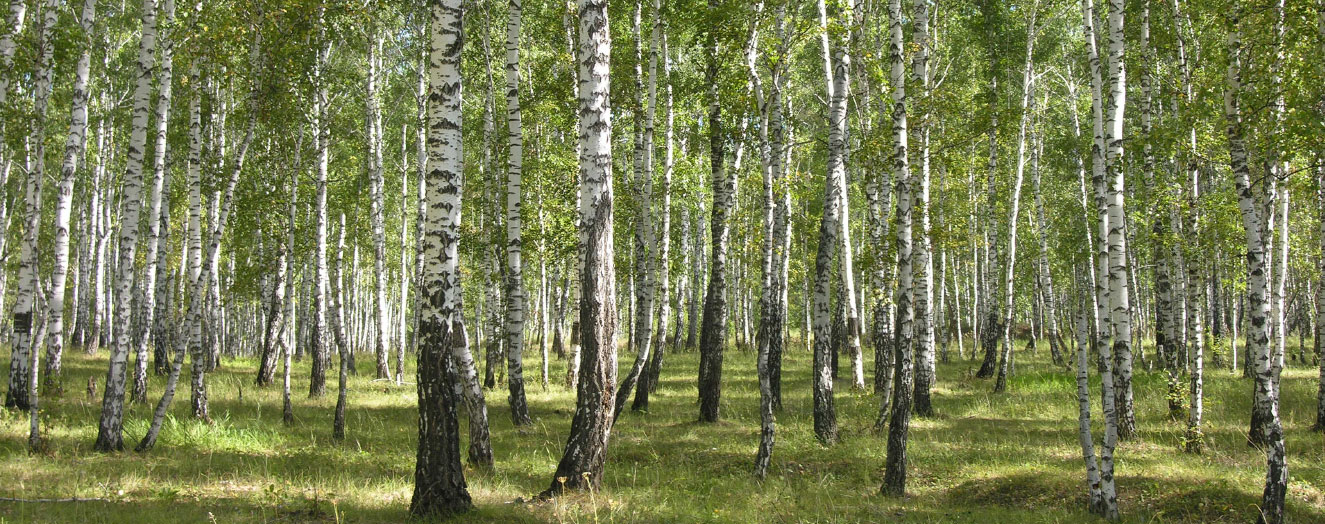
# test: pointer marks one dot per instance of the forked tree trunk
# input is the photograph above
(645, 236)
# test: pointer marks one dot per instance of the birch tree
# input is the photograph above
(713, 335)
(894, 480)
(835, 62)
(582, 463)
(75, 143)
(515, 292)
(147, 301)
(110, 429)
(439, 478)
(645, 237)
(377, 209)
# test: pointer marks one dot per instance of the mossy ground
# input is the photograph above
(983, 458)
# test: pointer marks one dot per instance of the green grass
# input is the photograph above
(984, 458)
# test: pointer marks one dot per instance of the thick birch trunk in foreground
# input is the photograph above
(581, 466)
(110, 430)
(439, 478)
(1120, 315)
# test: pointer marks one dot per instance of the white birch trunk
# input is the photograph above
(894, 482)
(147, 300)
(75, 143)
(515, 291)
(377, 211)
(110, 430)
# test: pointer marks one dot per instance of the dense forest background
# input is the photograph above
(1014, 239)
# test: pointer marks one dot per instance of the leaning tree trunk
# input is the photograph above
(649, 378)
(515, 292)
(64, 200)
(439, 478)
(198, 297)
(645, 237)
(147, 301)
(581, 466)
(110, 430)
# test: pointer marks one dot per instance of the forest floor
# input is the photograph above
(983, 457)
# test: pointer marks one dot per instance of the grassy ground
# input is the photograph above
(984, 458)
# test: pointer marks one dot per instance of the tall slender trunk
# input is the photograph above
(515, 292)
(439, 478)
(658, 38)
(645, 236)
(1004, 324)
(924, 257)
(1107, 506)
(146, 301)
(75, 144)
(288, 334)
(1120, 318)
(1319, 334)
(713, 336)
(771, 314)
(377, 210)
(24, 355)
(110, 429)
(336, 321)
(581, 466)
(894, 480)
(321, 124)
(835, 62)
(1269, 362)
